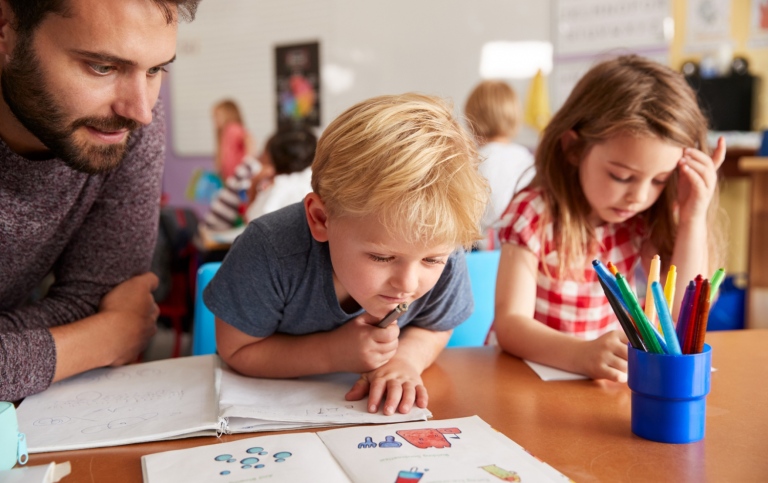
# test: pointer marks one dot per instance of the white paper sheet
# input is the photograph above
(314, 401)
(122, 405)
(50, 473)
(547, 373)
(285, 457)
(453, 450)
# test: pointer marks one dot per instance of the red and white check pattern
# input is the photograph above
(573, 306)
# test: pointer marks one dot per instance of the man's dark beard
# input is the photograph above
(29, 99)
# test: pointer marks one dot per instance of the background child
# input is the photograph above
(233, 142)
(396, 193)
(493, 113)
(270, 175)
(622, 173)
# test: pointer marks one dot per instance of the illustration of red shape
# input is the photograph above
(428, 438)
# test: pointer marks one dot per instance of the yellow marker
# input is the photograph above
(669, 286)
(653, 276)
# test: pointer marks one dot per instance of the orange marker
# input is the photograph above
(613, 268)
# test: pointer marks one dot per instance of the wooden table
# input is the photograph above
(582, 428)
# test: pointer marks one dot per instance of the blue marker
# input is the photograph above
(665, 318)
(607, 277)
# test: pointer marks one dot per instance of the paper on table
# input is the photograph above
(282, 457)
(462, 449)
(50, 473)
(249, 404)
(122, 405)
(547, 373)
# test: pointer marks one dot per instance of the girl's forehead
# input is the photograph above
(638, 153)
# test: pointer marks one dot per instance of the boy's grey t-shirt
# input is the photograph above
(277, 278)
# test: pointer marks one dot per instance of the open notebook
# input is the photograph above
(452, 450)
(184, 397)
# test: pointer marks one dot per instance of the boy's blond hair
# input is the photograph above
(492, 110)
(406, 160)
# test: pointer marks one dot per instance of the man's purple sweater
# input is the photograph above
(91, 231)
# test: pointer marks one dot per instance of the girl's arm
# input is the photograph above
(520, 334)
(698, 181)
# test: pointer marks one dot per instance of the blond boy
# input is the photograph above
(396, 195)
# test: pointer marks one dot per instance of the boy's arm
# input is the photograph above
(400, 378)
(521, 335)
(356, 346)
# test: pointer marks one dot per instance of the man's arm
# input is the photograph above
(115, 242)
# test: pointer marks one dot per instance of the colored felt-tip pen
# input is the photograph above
(392, 316)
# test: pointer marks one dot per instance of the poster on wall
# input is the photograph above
(759, 24)
(709, 23)
(297, 70)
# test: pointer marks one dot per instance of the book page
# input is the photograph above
(284, 457)
(451, 450)
(120, 405)
(254, 404)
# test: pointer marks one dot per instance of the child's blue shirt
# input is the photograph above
(277, 278)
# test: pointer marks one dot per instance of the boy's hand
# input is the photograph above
(606, 357)
(361, 346)
(698, 179)
(401, 383)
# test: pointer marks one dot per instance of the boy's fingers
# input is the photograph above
(409, 396)
(375, 395)
(359, 390)
(394, 395)
(422, 398)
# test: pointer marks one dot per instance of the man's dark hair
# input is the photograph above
(28, 14)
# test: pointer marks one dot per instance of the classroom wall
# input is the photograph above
(430, 46)
(735, 192)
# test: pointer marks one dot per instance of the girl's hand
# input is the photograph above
(698, 179)
(606, 357)
(398, 380)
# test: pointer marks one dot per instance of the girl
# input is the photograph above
(622, 173)
(233, 142)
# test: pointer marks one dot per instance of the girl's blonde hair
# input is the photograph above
(406, 160)
(628, 95)
(492, 110)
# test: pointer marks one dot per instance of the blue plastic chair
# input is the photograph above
(204, 328)
(482, 266)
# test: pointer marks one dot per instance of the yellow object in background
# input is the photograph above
(537, 113)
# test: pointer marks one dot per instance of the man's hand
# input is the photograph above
(132, 316)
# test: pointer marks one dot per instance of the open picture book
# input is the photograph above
(452, 450)
(185, 397)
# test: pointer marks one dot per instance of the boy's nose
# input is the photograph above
(406, 281)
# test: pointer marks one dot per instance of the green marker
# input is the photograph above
(649, 338)
(715, 282)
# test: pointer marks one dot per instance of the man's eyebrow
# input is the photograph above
(113, 59)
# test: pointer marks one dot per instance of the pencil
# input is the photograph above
(685, 312)
(665, 319)
(626, 323)
(688, 341)
(669, 287)
(702, 317)
(637, 313)
(714, 285)
(390, 317)
(653, 276)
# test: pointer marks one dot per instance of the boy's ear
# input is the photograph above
(568, 142)
(317, 217)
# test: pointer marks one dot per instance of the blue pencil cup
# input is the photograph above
(669, 395)
(13, 444)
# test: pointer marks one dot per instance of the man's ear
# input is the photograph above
(317, 217)
(568, 142)
(7, 34)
